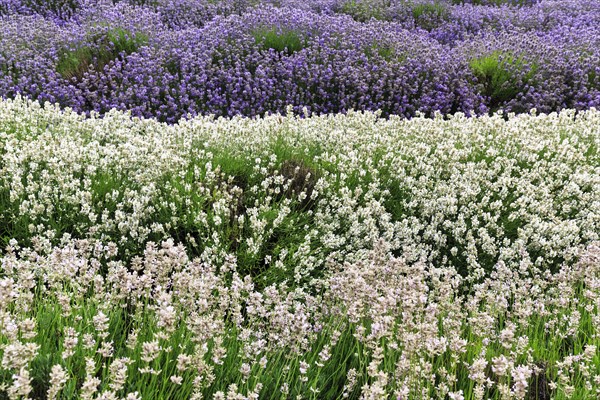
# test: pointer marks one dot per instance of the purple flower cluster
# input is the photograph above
(56, 10)
(168, 59)
(232, 67)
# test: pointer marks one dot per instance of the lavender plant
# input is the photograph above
(104, 47)
(167, 60)
(328, 257)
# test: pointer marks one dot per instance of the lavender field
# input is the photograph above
(166, 59)
(319, 199)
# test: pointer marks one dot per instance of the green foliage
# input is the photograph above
(104, 48)
(429, 15)
(382, 50)
(429, 9)
(592, 77)
(74, 63)
(499, 74)
(284, 41)
(364, 11)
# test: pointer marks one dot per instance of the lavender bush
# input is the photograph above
(168, 59)
(330, 257)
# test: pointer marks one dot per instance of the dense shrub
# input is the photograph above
(275, 255)
(169, 59)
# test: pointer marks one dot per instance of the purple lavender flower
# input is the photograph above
(168, 59)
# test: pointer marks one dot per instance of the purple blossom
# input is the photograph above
(168, 59)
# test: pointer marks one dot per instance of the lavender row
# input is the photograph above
(172, 59)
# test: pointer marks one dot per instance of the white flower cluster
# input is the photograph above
(439, 258)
